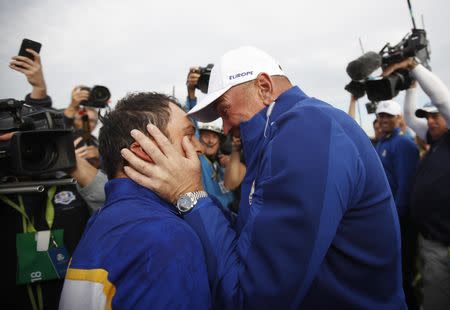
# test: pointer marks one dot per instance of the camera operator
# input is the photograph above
(430, 198)
(59, 209)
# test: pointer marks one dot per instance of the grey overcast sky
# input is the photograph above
(149, 45)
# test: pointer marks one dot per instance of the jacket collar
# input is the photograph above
(252, 131)
(394, 133)
(286, 101)
(124, 189)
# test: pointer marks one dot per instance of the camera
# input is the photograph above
(98, 96)
(39, 147)
(414, 44)
(225, 147)
(203, 80)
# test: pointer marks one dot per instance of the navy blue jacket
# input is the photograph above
(400, 158)
(430, 199)
(136, 253)
(317, 227)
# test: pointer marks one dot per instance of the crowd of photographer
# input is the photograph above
(41, 204)
(70, 198)
(54, 205)
(420, 188)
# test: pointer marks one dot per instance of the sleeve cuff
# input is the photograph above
(44, 102)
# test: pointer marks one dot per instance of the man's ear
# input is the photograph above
(139, 152)
(264, 84)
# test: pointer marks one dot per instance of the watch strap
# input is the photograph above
(197, 195)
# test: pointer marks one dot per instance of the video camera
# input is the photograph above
(40, 145)
(414, 44)
(203, 80)
(98, 96)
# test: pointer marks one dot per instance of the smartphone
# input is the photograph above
(27, 43)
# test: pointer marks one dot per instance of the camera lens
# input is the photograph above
(100, 93)
(37, 152)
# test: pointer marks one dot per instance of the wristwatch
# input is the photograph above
(188, 201)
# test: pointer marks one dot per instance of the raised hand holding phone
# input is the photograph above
(29, 44)
(28, 62)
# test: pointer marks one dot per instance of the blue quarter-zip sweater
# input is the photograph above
(317, 227)
(400, 158)
(136, 253)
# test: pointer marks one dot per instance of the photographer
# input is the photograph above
(59, 210)
(430, 199)
(84, 120)
(211, 135)
(235, 169)
(191, 83)
(73, 113)
(90, 180)
(221, 173)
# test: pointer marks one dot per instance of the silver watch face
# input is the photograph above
(185, 203)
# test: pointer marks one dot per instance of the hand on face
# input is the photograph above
(171, 174)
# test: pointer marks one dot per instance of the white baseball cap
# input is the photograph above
(215, 126)
(234, 67)
(389, 107)
(427, 108)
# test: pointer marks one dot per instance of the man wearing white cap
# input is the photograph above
(398, 154)
(317, 226)
(430, 199)
(400, 158)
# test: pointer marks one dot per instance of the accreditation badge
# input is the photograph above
(39, 259)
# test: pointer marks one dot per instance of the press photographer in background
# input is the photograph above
(198, 78)
(396, 150)
(222, 164)
(430, 199)
(82, 115)
(41, 228)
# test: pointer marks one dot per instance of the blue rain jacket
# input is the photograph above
(136, 253)
(317, 226)
(400, 158)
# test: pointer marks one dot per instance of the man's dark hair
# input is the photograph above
(134, 111)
